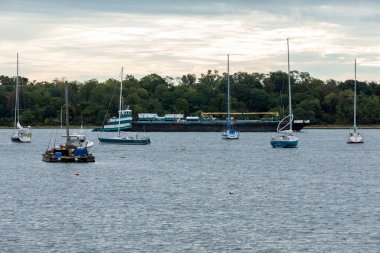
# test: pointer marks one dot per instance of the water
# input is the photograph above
(194, 192)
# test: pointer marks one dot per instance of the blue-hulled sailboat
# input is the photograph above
(355, 136)
(229, 133)
(124, 121)
(285, 137)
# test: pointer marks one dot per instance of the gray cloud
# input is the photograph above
(92, 39)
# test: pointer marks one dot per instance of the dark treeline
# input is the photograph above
(323, 102)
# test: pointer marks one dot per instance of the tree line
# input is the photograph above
(322, 102)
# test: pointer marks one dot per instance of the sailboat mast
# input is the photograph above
(290, 92)
(228, 90)
(61, 119)
(67, 111)
(121, 94)
(355, 100)
(17, 109)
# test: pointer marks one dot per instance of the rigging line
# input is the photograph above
(109, 105)
(55, 137)
(52, 131)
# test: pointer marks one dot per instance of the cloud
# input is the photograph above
(93, 39)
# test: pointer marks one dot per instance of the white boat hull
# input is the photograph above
(22, 136)
(355, 138)
(21, 139)
(79, 140)
(230, 135)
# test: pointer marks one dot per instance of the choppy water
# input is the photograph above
(175, 195)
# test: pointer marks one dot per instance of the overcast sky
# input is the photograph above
(86, 39)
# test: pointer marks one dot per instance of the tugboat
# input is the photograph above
(69, 152)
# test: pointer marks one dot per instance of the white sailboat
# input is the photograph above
(355, 136)
(229, 133)
(78, 138)
(21, 135)
(286, 137)
(124, 140)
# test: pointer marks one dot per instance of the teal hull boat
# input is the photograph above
(125, 140)
(123, 122)
(285, 137)
(283, 143)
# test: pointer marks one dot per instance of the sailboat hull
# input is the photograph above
(125, 141)
(22, 136)
(19, 139)
(230, 137)
(230, 134)
(284, 144)
(284, 141)
(354, 138)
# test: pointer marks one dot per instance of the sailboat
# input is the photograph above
(22, 135)
(285, 137)
(354, 135)
(71, 150)
(79, 138)
(125, 140)
(229, 133)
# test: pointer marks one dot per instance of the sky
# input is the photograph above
(92, 39)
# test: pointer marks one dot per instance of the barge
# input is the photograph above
(212, 126)
(151, 122)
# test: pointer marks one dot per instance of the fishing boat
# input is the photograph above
(119, 125)
(285, 137)
(71, 151)
(21, 134)
(229, 133)
(355, 136)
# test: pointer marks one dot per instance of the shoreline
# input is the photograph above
(306, 127)
(341, 127)
(51, 127)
